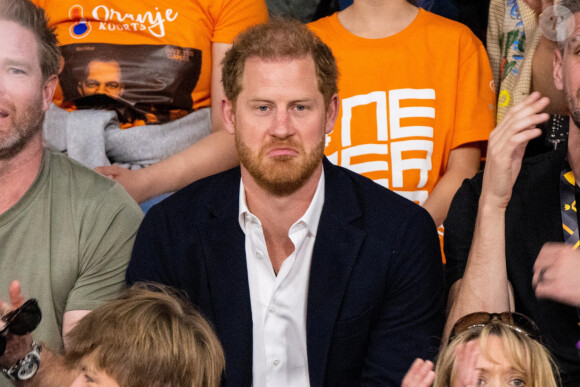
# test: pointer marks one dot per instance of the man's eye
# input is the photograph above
(262, 108)
(16, 71)
(300, 108)
(112, 85)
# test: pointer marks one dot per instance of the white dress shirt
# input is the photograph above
(279, 302)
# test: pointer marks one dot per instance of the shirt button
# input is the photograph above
(272, 309)
(258, 255)
(276, 362)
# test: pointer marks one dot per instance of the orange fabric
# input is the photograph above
(177, 25)
(407, 100)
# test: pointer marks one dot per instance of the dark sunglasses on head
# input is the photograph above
(516, 321)
(20, 321)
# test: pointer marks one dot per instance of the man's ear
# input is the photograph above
(48, 91)
(331, 113)
(228, 115)
(558, 79)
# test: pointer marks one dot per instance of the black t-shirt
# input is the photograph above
(532, 218)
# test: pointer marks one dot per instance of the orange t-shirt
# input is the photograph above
(407, 100)
(150, 61)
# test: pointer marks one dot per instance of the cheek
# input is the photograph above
(78, 382)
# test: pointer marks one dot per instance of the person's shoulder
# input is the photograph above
(69, 172)
(444, 23)
(376, 201)
(542, 166)
(546, 158)
(235, 13)
(329, 29)
(323, 22)
(447, 31)
(198, 197)
(84, 186)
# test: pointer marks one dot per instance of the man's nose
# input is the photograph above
(282, 126)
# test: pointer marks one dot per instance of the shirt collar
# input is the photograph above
(311, 217)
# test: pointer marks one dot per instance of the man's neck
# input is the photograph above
(375, 19)
(18, 173)
(278, 213)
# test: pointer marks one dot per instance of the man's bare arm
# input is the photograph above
(212, 154)
(486, 264)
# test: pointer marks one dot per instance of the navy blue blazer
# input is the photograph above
(375, 296)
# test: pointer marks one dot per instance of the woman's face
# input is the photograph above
(498, 372)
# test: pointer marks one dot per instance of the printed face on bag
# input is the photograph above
(102, 77)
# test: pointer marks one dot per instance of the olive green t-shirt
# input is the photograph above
(68, 241)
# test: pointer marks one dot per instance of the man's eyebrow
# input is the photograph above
(303, 100)
(16, 62)
(294, 101)
(259, 99)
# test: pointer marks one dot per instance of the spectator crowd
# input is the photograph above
(290, 193)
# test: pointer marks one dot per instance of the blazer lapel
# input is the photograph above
(223, 244)
(335, 252)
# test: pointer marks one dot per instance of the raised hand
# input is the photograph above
(506, 146)
(420, 374)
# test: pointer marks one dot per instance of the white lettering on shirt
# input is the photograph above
(390, 126)
(154, 22)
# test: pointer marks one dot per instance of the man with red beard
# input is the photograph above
(65, 232)
(511, 236)
(312, 275)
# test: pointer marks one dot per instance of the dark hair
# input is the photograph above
(31, 17)
(279, 38)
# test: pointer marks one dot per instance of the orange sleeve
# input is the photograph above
(475, 118)
(235, 16)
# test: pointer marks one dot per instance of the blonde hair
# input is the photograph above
(528, 357)
(149, 336)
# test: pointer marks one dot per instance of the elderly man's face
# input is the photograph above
(24, 94)
(102, 78)
(280, 122)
